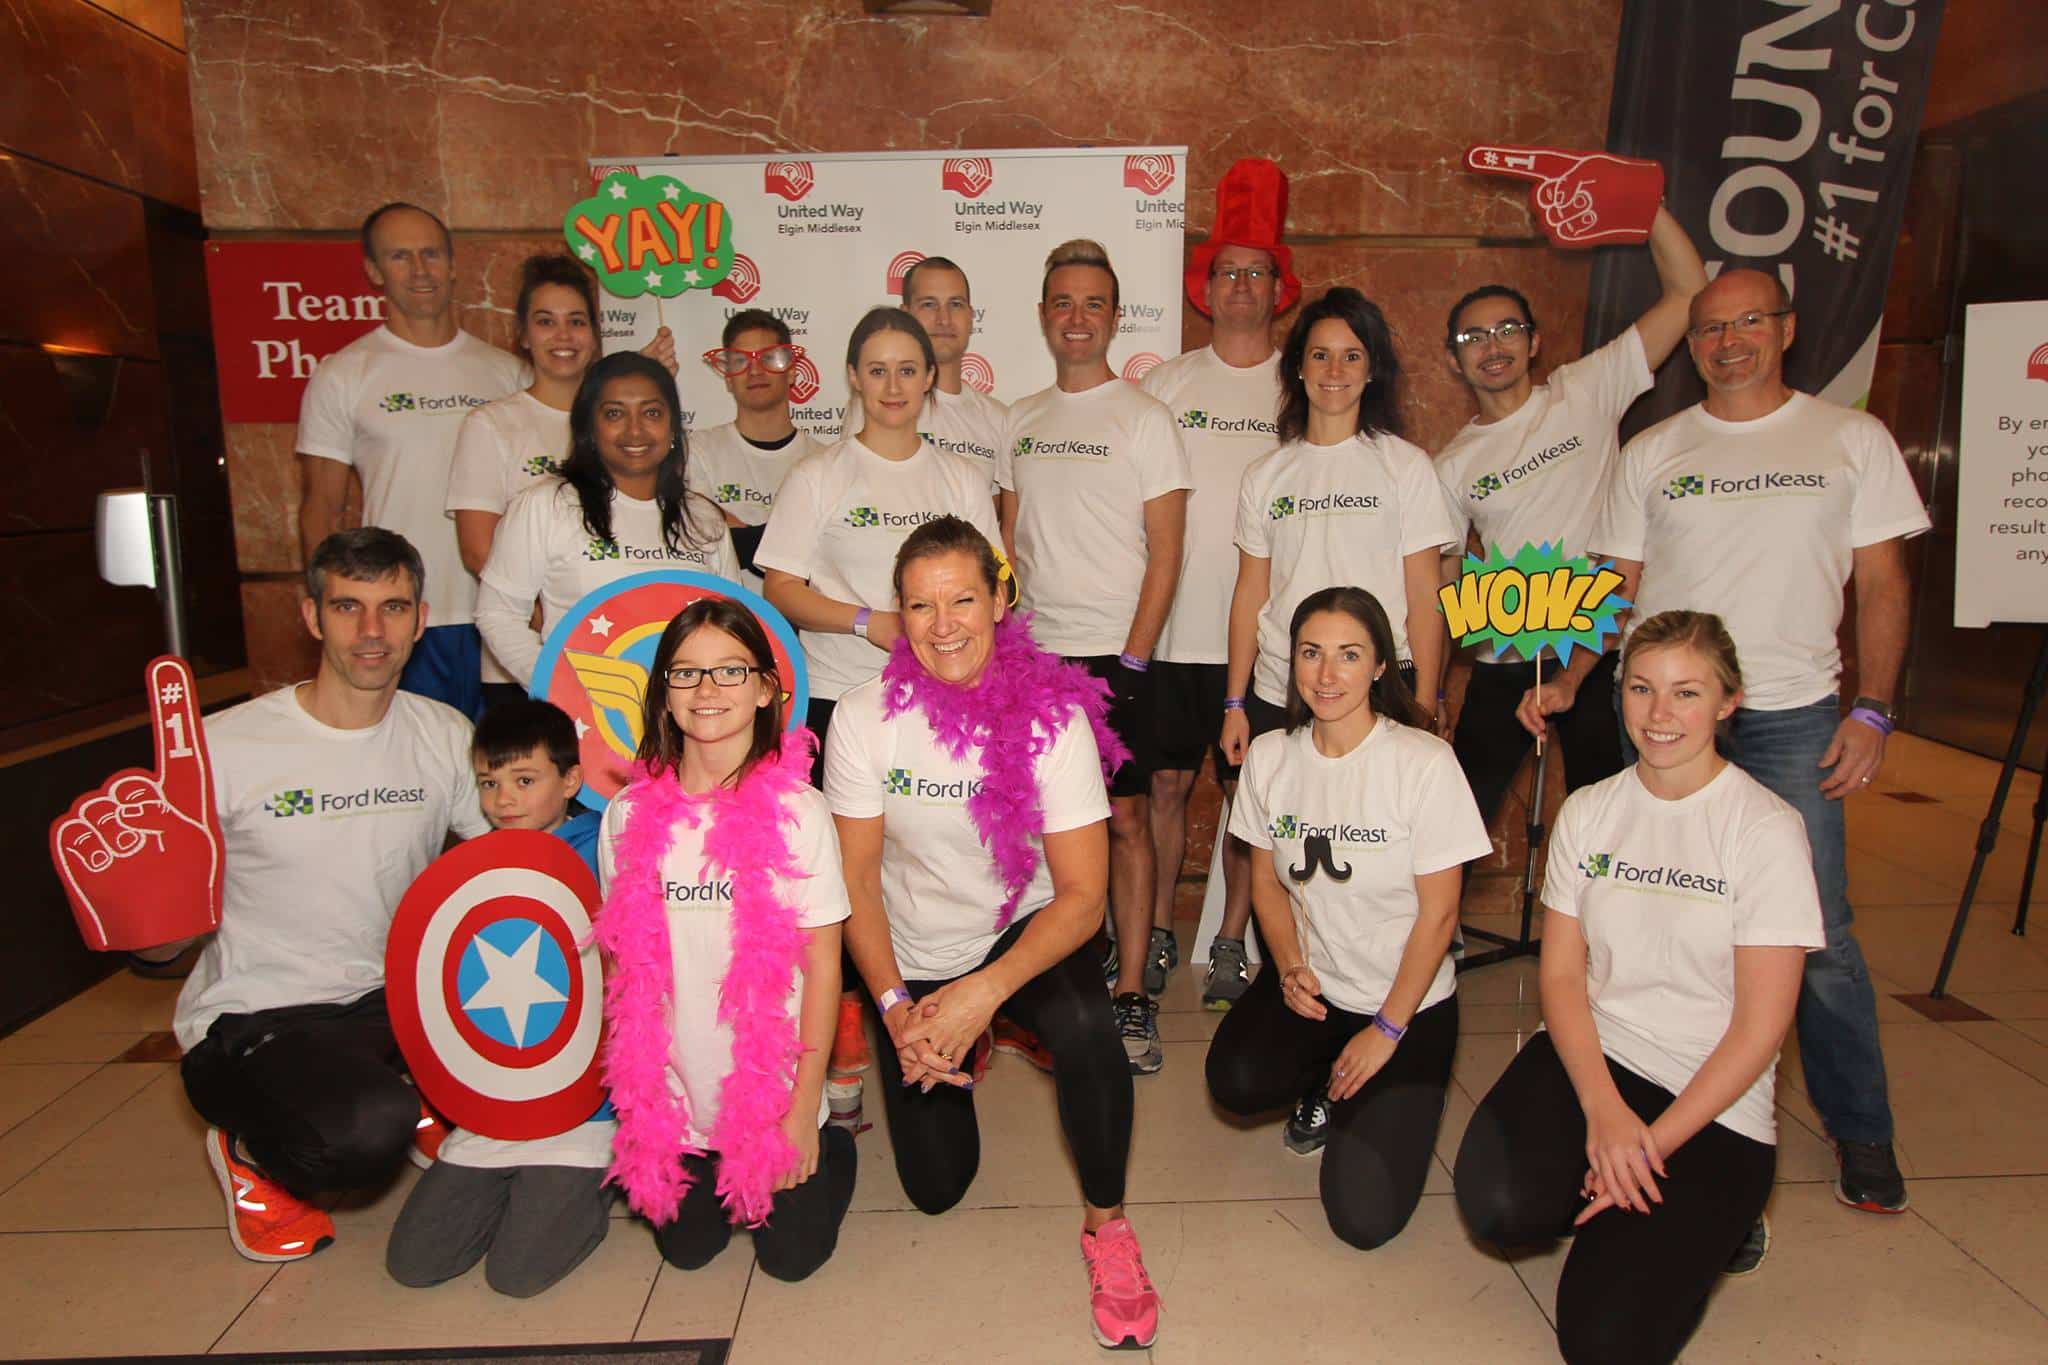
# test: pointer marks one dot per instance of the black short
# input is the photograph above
(1187, 717)
(1263, 716)
(1130, 700)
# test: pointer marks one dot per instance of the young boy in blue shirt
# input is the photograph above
(536, 1207)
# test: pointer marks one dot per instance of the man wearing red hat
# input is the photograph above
(1223, 399)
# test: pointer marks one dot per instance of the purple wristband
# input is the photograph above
(1233, 703)
(1133, 662)
(1873, 719)
(1388, 1027)
(860, 621)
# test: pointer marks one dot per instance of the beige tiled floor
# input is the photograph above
(110, 1238)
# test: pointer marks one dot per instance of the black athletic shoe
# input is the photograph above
(1870, 1178)
(1308, 1127)
(1162, 955)
(1751, 1253)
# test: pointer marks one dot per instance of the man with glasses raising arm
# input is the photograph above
(740, 465)
(1533, 467)
(1760, 504)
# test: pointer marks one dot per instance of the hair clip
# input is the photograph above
(1005, 574)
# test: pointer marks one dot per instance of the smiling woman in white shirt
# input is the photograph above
(618, 507)
(830, 548)
(1679, 906)
(1360, 824)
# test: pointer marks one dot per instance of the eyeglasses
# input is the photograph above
(1748, 322)
(1250, 274)
(1503, 332)
(731, 361)
(687, 679)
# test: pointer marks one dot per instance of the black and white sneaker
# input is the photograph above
(1869, 1178)
(1162, 955)
(1308, 1127)
(1137, 1019)
(1751, 1253)
(1229, 974)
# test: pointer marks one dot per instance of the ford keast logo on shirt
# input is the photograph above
(428, 402)
(904, 782)
(1684, 486)
(290, 802)
(1661, 878)
(373, 800)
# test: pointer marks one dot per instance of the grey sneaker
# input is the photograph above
(1137, 1019)
(1229, 974)
(1161, 957)
(1751, 1253)
(1308, 1127)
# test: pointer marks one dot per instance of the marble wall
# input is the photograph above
(308, 115)
(103, 353)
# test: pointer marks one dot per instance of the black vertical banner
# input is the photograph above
(1786, 132)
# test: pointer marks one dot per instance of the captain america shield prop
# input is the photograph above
(496, 1008)
(596, 661)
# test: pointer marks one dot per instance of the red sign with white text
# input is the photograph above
(279, 308)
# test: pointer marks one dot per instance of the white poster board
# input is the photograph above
(2002, 495)
(819, 241)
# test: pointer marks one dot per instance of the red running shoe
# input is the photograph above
(265, 1222)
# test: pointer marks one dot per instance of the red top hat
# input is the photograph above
(1251, 210)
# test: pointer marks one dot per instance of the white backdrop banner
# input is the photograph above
(819, 241)
(2002, 502)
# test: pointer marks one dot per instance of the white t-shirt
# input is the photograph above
(838, 522)
(743, 479)
(543, 550)
(325, 830)
(502, 449)
(1665, 892)
(939, 882)
(392, 409)
(1331, 516)
(1541, 473)
(1083, 466)
(1225, 415)
(700, 941)
(1395, 808)
(588, 1145)
(968, 423)
(1758, 522)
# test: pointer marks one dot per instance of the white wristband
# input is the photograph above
(891, 998)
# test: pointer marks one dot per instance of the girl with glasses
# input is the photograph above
(721, 924)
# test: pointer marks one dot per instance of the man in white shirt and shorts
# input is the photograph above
(389, 405)
(1533, 467)
(1760, 505)
(1094, 503)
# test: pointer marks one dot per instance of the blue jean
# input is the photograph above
(1838, 1043)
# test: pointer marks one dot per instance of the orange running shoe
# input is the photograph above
(1018, 1041)
(850, 1043)
(265, 1223)
(427, 1136)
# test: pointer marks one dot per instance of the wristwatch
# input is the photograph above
(1883, 708)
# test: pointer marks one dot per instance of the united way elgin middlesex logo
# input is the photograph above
(1151, 173)
(496, 1008)
(743, 283)
(900, 266)
(790, 179)
(596, 661)
(977, 374)
(967, 176)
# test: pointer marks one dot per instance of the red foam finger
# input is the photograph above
(182, 765)
(1521, 163)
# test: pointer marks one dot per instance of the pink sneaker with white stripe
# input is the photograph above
(1122, 1304)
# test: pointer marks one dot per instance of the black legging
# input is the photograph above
(803, 1225)
(1265, 1057)
(1634, 1286)
(1490, 742)
(316, 1093)
(935, 1136)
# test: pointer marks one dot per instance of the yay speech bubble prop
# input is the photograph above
(651, 235)
(1582, 199)
(1534, 599)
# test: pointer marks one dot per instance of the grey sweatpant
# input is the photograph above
(537, 1223)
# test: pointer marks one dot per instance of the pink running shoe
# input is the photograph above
(1122, 1304)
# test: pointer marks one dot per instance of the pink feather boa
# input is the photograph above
(748, 843)
(1014, 713)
